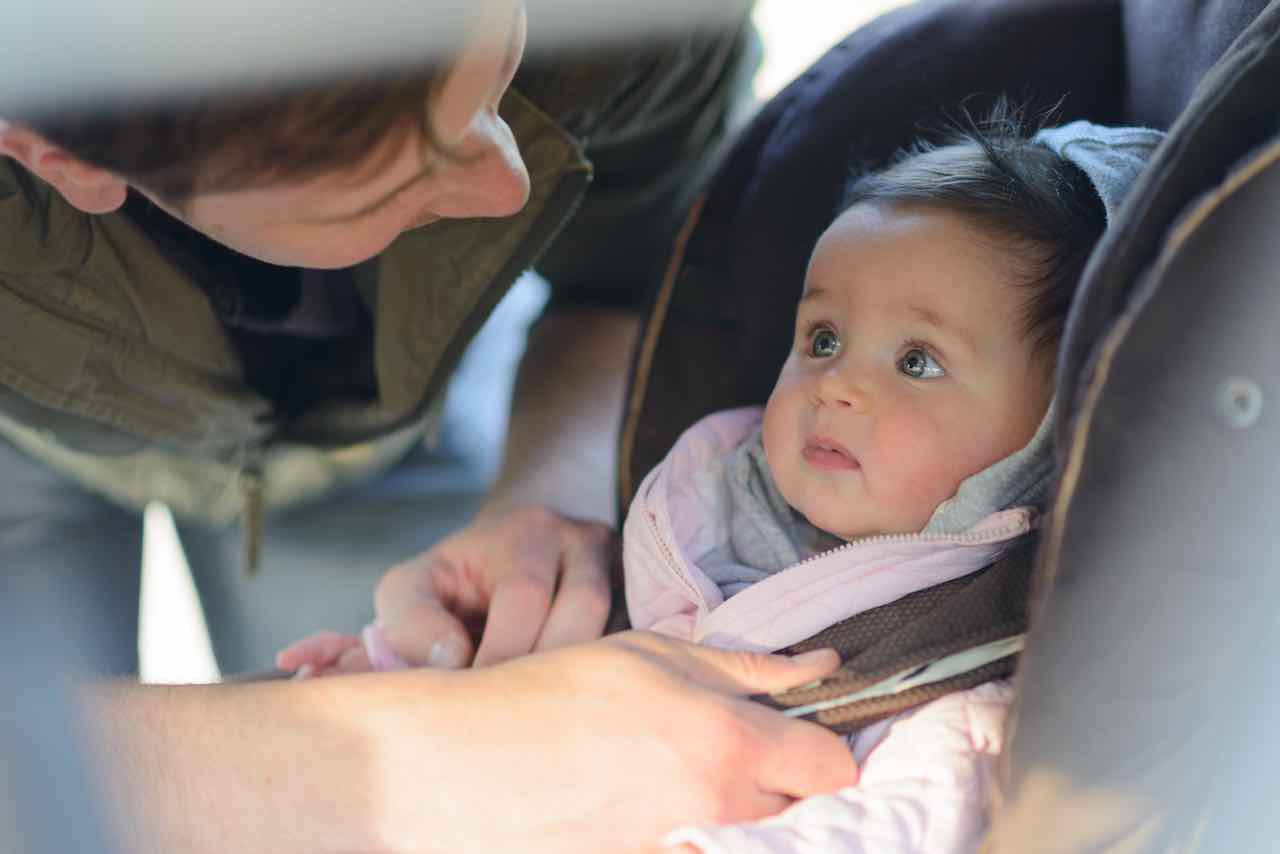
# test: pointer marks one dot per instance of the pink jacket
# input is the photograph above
(925, 773)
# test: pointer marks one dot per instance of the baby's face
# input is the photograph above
(909, 371)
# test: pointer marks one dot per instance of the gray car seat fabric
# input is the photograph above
(1143, 720)
(1170, 45)
(1138, 725)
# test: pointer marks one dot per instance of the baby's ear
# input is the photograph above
(85, 187)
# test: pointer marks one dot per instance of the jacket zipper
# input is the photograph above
(673, 564)
(964, 538)
(251, 484)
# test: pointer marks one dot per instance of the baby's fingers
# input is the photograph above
(317, 653)
(353, 660)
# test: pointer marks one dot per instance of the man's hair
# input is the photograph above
(1039, 206)
(230, 142)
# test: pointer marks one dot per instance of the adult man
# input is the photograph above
(142, 358)
(147, 360)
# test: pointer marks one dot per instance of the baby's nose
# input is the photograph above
(839, 390)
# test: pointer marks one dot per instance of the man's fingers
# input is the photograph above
(516, 615)
(740, 672)
(753, 806)
(793, 758)
(582, 600)
(680, 848)
(424, 634)
(798, 758)
(422, 607)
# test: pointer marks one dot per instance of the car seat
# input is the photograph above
(1150, 597)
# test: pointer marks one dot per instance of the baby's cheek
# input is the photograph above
(936, 476)
(777, 435)
(787, 417)
(779, 428)
(923, 472)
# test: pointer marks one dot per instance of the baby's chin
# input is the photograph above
(839, 525)
(842, 512)
(848, 528)
(820, 507)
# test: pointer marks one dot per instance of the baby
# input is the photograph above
(914, 403)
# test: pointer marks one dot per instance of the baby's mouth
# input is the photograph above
(828, 454)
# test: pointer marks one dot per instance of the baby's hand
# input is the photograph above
(329, 654)
(324, 654)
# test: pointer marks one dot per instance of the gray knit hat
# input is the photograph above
(1111, 157)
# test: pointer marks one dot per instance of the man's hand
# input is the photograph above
(522, 577)
(604, 746)
(527, 580)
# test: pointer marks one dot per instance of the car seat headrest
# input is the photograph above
(1170, 44)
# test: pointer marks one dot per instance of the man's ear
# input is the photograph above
(88, 188)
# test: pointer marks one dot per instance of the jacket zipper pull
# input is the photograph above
(251, 518)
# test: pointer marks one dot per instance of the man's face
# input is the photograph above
(909, 372)
(341, 219)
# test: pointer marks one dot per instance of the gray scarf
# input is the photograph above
(766, 535)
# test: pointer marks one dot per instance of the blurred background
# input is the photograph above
(173, 642)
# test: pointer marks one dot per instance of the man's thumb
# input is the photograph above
(762, 673)
(424, 634)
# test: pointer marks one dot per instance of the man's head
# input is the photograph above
(321, 176)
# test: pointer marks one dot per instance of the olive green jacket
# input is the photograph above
(116, 371)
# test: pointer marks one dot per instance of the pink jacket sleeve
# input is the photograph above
(925, 787)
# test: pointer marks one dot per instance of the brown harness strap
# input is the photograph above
(981, 608)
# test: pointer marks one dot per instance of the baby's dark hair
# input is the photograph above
(1035, 203)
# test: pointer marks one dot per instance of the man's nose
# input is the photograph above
(496, 181)
(838, 388)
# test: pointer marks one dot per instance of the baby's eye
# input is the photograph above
(918, 364)
(823, 343)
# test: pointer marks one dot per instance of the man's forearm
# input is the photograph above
(566, 412)
(272, 767)
(565, 751)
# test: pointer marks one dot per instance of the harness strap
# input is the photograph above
(967, 631)
(912, 651)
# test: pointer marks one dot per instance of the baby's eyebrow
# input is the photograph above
(940, 324)
(813, 294)
(929, 316)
